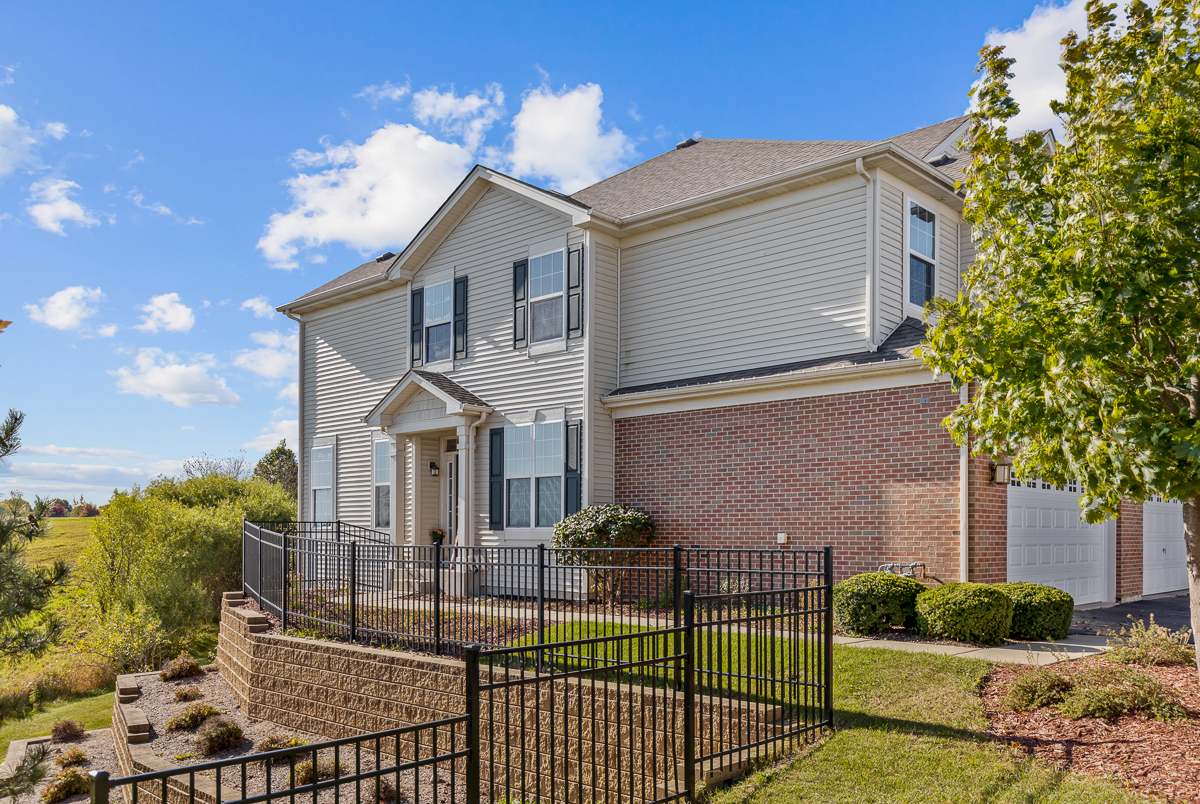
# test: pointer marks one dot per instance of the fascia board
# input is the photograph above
(318, 300)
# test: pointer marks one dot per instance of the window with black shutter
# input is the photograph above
(417, 323)
(460, 318)
(496, 478)
(575, 292)
(520, 302)
(573, 467)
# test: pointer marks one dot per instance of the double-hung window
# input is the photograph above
(546, 307)
(533, 470)
(922, 254)
(322, 484)
(439, 308)
(382, 465)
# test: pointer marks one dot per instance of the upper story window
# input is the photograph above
(382, 468)
(546, 296)
(922, 254)
(439, 308)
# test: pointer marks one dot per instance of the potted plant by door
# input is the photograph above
(437, 536)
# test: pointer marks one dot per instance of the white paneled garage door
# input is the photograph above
(1048, 543)
(1164, 556)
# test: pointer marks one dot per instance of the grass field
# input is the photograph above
(64, 541)
(93, 710)
(910, 728)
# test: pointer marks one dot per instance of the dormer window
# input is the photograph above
(922, 254)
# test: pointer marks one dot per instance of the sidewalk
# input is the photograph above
(1032, 653)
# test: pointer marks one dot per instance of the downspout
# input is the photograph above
(964, 476)
(869, 272)
(470, 479)
(618, 384)
(299, 417)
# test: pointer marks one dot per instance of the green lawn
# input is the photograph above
(64, 541)
(94, 711)
(910, 729)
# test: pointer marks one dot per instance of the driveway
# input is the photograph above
(1170, 612)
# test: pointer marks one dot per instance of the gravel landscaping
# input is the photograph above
(96, 744)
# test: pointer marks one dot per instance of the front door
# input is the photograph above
(450, 490)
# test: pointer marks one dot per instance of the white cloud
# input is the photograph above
(56, 130)
(50, 204)
(136, 160)
(468, 117)
(139, 201)
(67, 309)
(166, 312)
(160, 375)
(290, 393)
(259, 306)
(277, 357)
(6, 75)
(371, 196)
(387, 91)
(1037, 77)
(286, 429)
(107, 331)
(92, 452)
(187, 428)
(633, 112)
(17, 142)
(560, 137)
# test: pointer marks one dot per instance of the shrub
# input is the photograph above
(182, 666)
(1036, 688)
(1109, 692)
(72, 756)
(191, 716)
(968, 612)
(278, 742)
(325, 769)
(66, 730)
(386, 790)
(603, 526)
(1039, 612)
(66, 783)
(1138, 643)
(869, 603)
(217, 734)
(188, 693)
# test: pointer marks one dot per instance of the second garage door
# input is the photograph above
(1164, 555)
(1048, 543)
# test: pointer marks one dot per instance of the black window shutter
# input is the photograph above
(573, 467)
(460, 318)
(417, 341)
(496, 479)
(520, 298)
(575, 292)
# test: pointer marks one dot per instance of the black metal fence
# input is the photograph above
(439, 599)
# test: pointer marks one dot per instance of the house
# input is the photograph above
(722, 335)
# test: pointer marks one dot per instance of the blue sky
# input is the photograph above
(171, 172)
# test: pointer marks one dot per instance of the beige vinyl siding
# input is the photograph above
(497, 232)
(947, 256)
(891, 259)
(775, 286)
(352, 354)
(599, 444)
(431, 488)
(422, 406)
(966, 249)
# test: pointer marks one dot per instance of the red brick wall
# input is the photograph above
(988, 516)
(872, 473)
(1129, 550)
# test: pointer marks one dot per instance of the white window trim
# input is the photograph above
(558, 344)
(330, 443)
(533, 478)
(940, 210)
(375, 484)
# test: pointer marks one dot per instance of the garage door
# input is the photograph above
(1164, 557)
(1048, 543)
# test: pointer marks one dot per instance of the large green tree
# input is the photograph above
(1079, 325)
(279, 466)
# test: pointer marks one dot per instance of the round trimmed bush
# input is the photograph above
(874, 601)
(968, 612)
(1039, 612)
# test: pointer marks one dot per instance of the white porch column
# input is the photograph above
(413, 445)
(396, 514)
(465, 533)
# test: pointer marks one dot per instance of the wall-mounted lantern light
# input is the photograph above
(1001, 474)
(433, 468)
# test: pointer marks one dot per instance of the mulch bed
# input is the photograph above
(1158, 759)
(96, 744)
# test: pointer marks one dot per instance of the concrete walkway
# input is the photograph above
(1038, 653)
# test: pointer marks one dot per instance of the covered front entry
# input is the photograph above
(433, 421)
(1164, 554)
(1049, 543)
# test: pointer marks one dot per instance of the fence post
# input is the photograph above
(828, 679)
(286, 566)
(258, 590)
(243, 557)
(98, 786)
(541, 601)
(437, 598)
(689, 695)
(472, 670)
(677, 602)
(353, 591)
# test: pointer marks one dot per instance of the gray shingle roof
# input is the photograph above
(365, 271)
(898, 346)
(924, 140)
(449, 386)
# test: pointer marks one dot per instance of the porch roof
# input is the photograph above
(456, 398)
